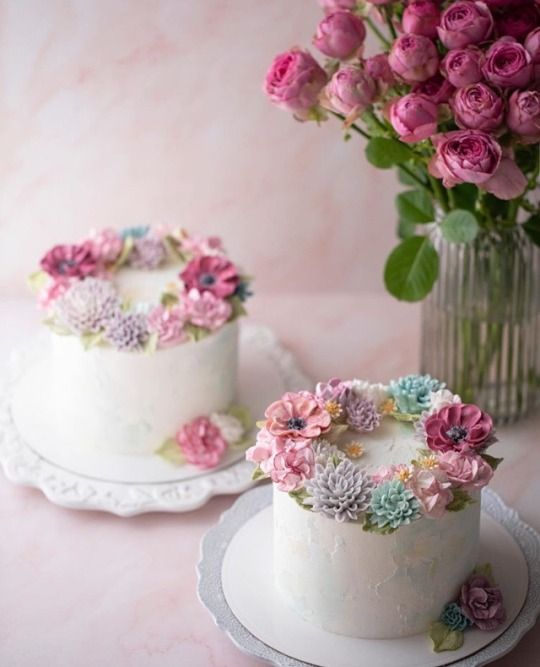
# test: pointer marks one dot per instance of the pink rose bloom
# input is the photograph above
(340, 35)
(432, 489)
(106, 245)
(350, 91)
(70, 261)
(378, 69)
(292, 464)
(532, 44)
(478, 107)
(297, 415)
(263, 448)
(464, 23)
(463, 66)
(413, 58)
(210, 273)
(203, 309)
(333, 390)
(413, 117)
(387, 473)
(467, 470)
(421, 17)
(203, 245)
(294, 82)
(460, 427)
(437, 88)
(517, 22)
(473, 156)
(201, 443)
(524, 115)
(482, 603)
(330, 6)
(168, 323)
(508, 64)
(53, 291)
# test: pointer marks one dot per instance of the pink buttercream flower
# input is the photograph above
(386, 473)
(201, 443)
(203, 309)
(340, 35)
(168, 323)
(433, 491)
(464, 23)
(421, 17)
(413, 117)
(413, 58)
(437, 89)
(70, 261)
(203, 245)
(463, 66)
(460, 427)
(52, 291)
(478, 107)
(212, 274)
(106, 245)
(333, 390)
(297, 415)
(294, 82)
(467, 470)
(263, 448)
(524, 115)
(350, 91)
(292, 463)
(482, 603)
(508, 64)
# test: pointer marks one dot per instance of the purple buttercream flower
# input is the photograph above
(482, 603)
(148, 253)
(361, 413)
(127, 331)
(333, 390)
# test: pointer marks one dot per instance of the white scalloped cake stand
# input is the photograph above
(32, 455)
(235, 584)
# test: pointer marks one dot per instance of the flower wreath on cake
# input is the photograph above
(304, 447)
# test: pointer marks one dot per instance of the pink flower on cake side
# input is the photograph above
(297, 415)
(168, 323)
(467, 470)
(292, 464)
(462, 428)
(213, 274)
(201, 443)
(106, 245)
(482, 603)
(263, 448)
(70, 261)
(203, 309)
(53, 291)
(432, 489)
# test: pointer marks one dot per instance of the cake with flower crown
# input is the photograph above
(144, 341)
(377, 507)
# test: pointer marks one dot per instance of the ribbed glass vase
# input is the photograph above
(481, 323)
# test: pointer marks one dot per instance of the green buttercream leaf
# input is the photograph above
(370, 527)
(167, 299)
(460, 501)
(299, 497)
(171, 452)
(124, 255)
(56, 327)
(173, 249)
(336, 431)
(242, 414)
(238, 308)
(258, 474)
(90, 340)
(492, 461)
(486, 571)
(196, 333)
(445, 639)
(404, 416)
(152, 343)
(37, 280)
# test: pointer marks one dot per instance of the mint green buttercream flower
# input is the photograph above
(392, 505)
(412, 393)
(454, 618)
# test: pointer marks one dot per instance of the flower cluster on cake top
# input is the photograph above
(301, 447)
(76, 287)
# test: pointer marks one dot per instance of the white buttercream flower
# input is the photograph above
(323, 450)
(441, 398)
(231, 428)
(378, 393)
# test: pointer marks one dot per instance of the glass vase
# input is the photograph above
(481, 322)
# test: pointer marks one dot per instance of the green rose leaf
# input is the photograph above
(415, 206)
(411, 269)
(532, 227)
(386, 153)
(171, 452)
(492, 461)
(465, 196)
(459, 226)
(460, 501)
(405, 229)
(445, 639)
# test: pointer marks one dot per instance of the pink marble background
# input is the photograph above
(117, 112)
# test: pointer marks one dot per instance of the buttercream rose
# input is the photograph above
(421, 17)
(340, 35)
(464, 23)
(482, 603)
(413, 58)
(524, 115)
(350, 91)
(508, 64)
(467, 470)
(432, 489)
(478, 107)
(463, 66)
(414, 117)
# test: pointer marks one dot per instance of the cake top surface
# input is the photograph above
(381, 455)
(140, 288)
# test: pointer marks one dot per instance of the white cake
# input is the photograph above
(349, 556)
(144, 343)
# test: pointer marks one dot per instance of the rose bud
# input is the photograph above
(421, 17)
(473, 156)
(477, 107)
(350, 91)
(463, 66)
(330, 6)
(524, 115)
(464, 23)
(413, 117)
(508, 64)
(378, 68)
(532, 44)
(437, 88)
(340, 35)
(413, 58)
(294, 82)
(518, 21)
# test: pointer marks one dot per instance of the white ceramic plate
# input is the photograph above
(235, 584)
(32, 453)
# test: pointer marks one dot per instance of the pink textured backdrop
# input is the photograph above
(117, 112)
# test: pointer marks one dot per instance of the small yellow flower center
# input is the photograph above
(404, 475)
(388, 406)
(354, 450)
(429, 462)
(334, 409)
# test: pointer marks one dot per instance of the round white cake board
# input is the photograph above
(244, 602)
(32, 453)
